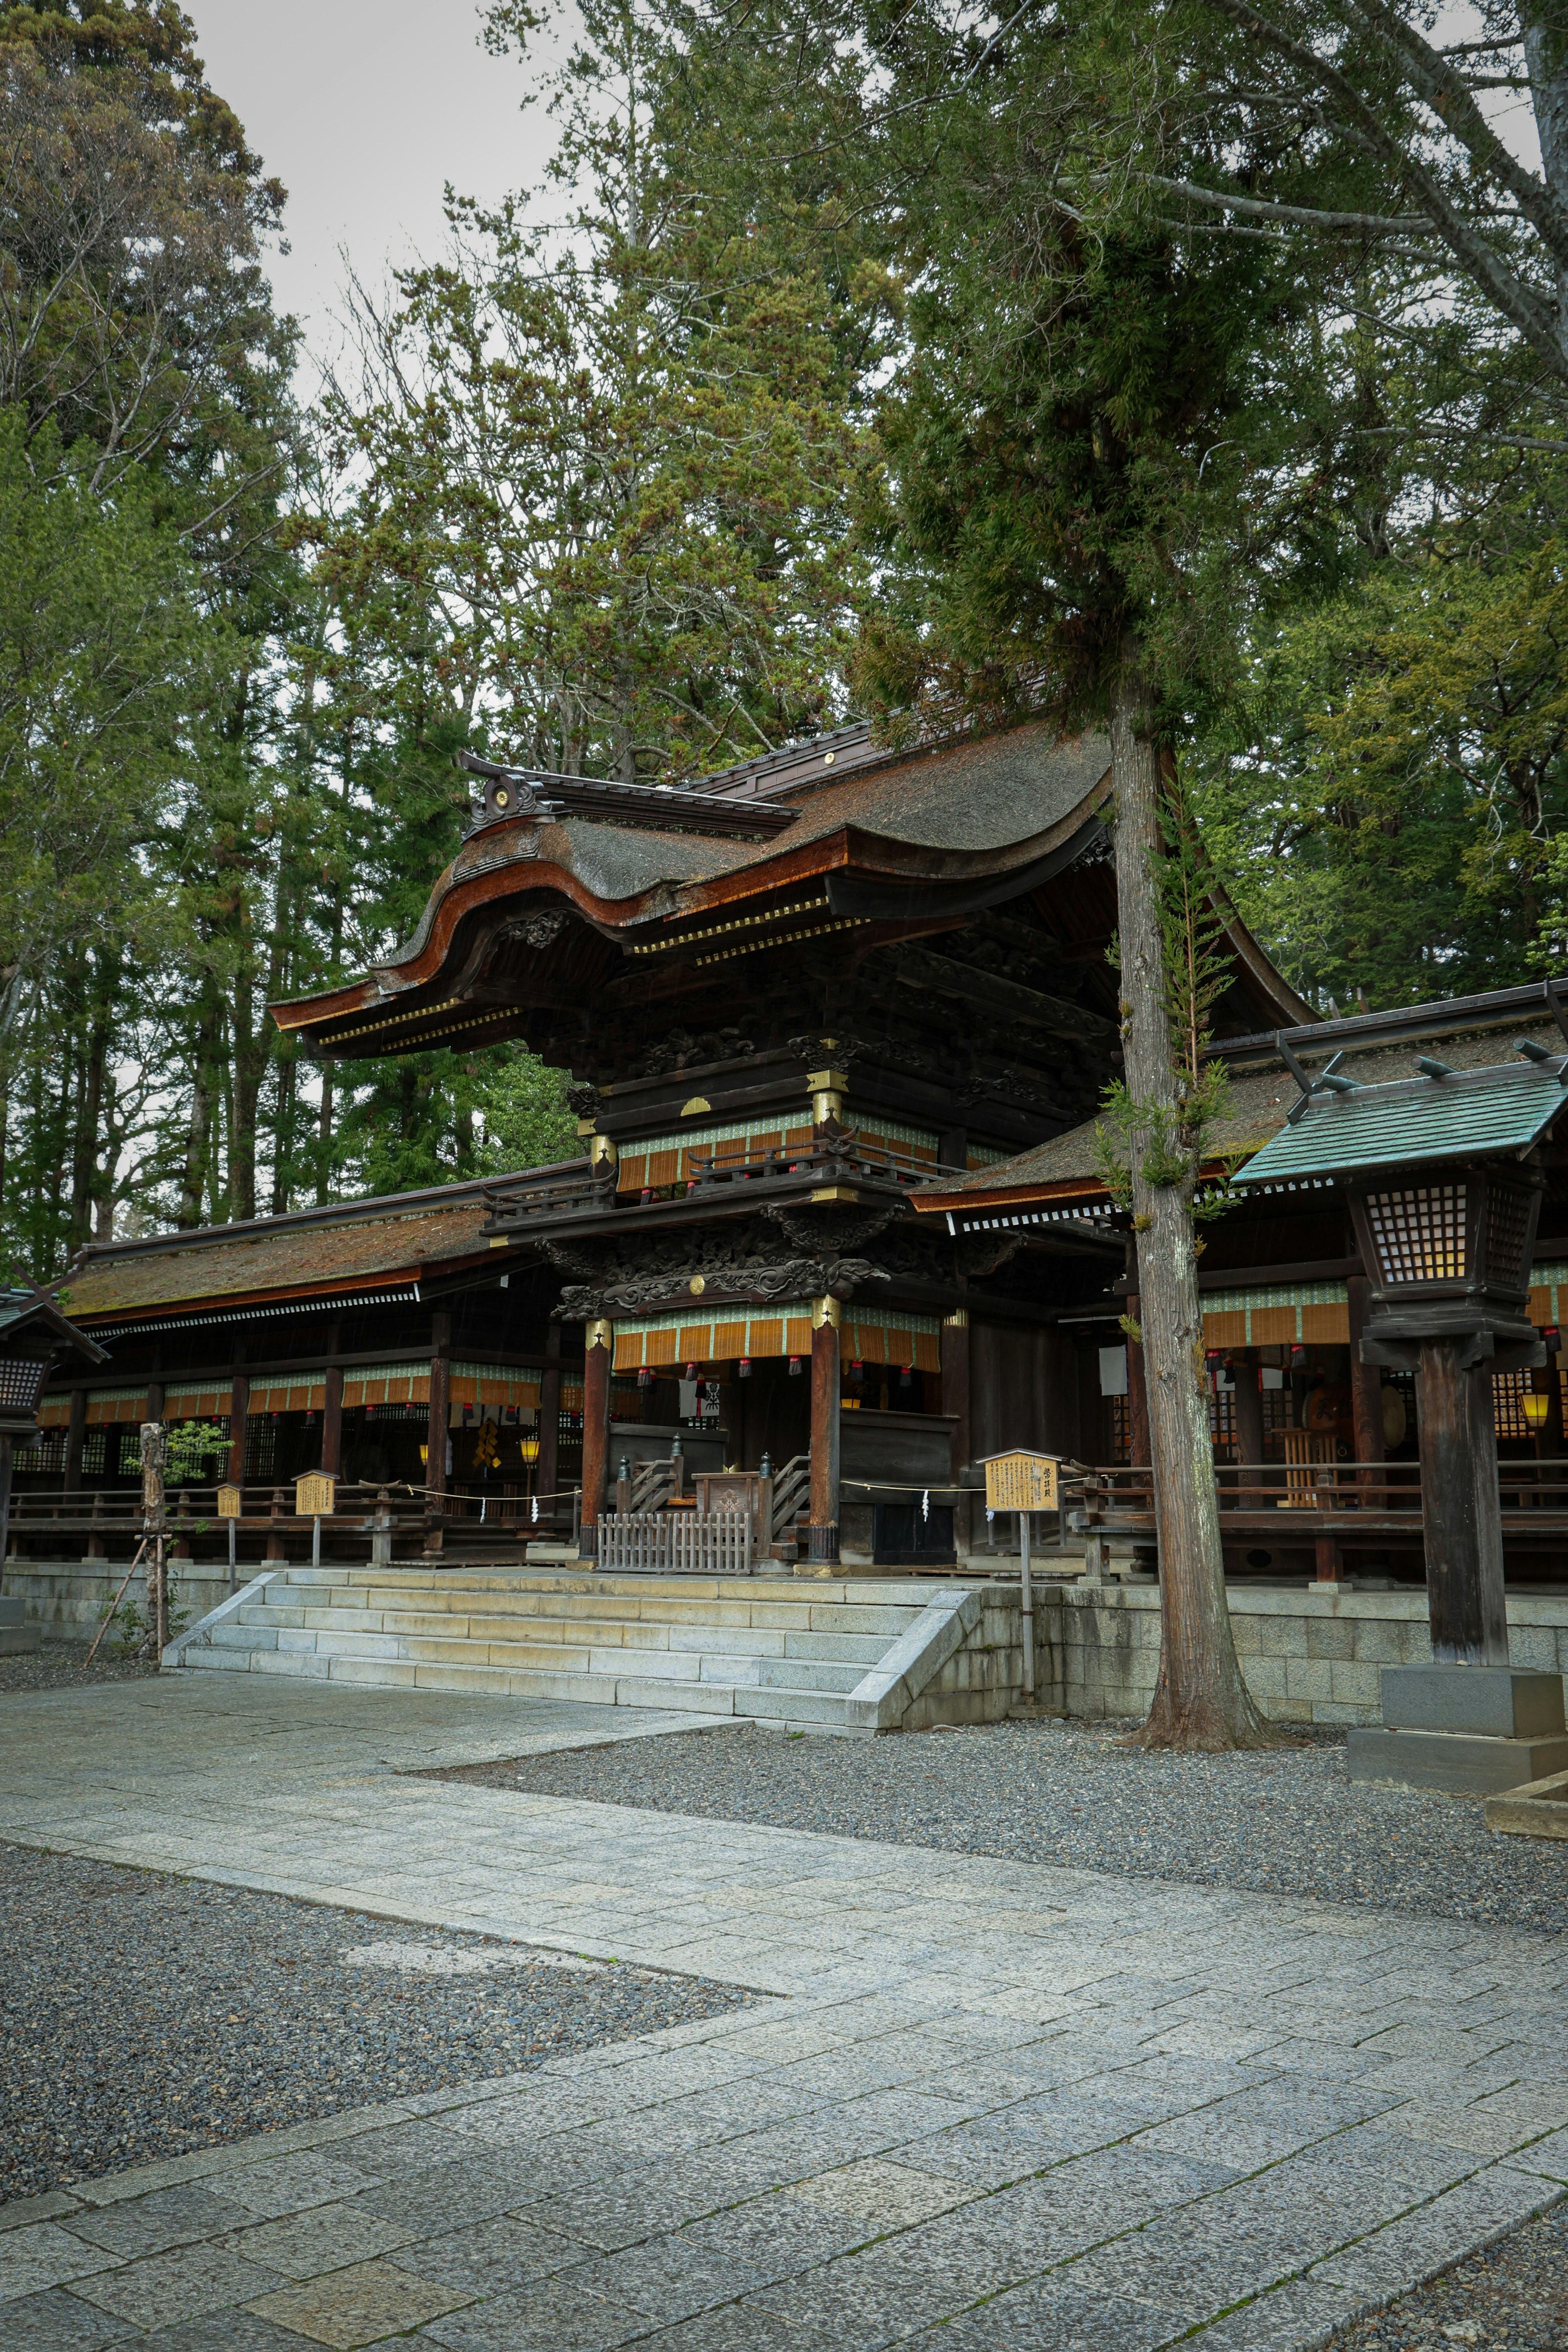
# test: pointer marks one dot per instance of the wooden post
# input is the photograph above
(822, 1534)
(332, 1421)
(955, 1400)
(1366, 1400)
(1249, 1407)
(1462, 1519)
(435, 1436)
(1137, 1394)
(239, 1420)
(547, 1470)
(598, 1347)
(7, 1462)
(76, 1433)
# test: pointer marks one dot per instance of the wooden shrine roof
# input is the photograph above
(877, 837)
(1067, 1168)
(365, 1250)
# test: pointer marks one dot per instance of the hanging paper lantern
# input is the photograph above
(795, 1367)
(744, 1369)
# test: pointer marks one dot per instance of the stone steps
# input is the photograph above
(763, 1649)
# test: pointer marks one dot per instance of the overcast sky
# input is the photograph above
(365, 108)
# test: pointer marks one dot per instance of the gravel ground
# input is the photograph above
(58, 1666)
(1511, 2298)
(1284, 1820)
(144, 2015)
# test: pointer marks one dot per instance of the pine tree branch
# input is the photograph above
(1519, 303)
(1296, 216)
(1445, 92)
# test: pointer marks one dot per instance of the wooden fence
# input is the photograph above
(676, 1543)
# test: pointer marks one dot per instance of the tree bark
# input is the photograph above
(1201, 1700)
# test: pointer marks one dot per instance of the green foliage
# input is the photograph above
(527, 1121)
(1388, 813)
(194, 1447)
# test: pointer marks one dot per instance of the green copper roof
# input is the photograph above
(1484, 1114)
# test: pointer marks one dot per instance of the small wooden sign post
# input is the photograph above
(228, 1502)
(315, 1498)
(1024, 1483)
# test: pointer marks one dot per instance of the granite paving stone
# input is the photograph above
(360, 2305)
(550, 2315)
(324, 2238)
(1039, 2105)
(43, 2254)
(59, 2322)
(180, 2284)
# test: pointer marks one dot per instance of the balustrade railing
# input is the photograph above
(676, 1543)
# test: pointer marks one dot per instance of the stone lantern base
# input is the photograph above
(1472, 1730)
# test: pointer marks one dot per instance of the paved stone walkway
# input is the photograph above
(998, 2108)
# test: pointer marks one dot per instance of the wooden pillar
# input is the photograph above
(1462, 1520)
(239, 1417)
(598, 1347)
(547, 1470)
(332, 1421)
(154, 1400)
(436, 1433)
(1249, 1406)
(822, 1533)
(1366, 1400)
(1137, 1393)
(76, 1433)
(955, 1400)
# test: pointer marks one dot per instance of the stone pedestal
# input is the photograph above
(1469, 1729)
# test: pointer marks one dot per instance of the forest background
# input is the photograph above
(848, 361)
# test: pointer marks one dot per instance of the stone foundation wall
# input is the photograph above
(1309, 1657)
(68, 1598)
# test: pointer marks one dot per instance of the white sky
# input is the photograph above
(365, 108)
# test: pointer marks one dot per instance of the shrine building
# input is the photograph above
(838, 1022)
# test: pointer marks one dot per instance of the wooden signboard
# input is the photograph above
(1021, 1482)
(314, 1495)
(228, 1502)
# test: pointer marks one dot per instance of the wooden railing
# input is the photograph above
(1329, 1488)
(676, 1543)
(792, 1494)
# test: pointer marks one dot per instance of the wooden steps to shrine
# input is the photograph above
(777, 1650)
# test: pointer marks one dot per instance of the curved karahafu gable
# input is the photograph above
(577, 909)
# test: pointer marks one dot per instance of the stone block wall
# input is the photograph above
(985, 1677)
(68, 1598)
(1309, 1657)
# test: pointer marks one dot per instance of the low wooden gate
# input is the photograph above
(676, 1543)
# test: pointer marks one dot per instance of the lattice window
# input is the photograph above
(260, 1450)
(1419, 1233)
(1508, 1391)
(21, 1378)
(44, 1460)
(1121, 1429)
(1508, 1217)
(1222, 1416)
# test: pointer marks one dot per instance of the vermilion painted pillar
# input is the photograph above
(598, 1347)
(822, 1544)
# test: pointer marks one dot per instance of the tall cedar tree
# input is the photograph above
(1064, 451)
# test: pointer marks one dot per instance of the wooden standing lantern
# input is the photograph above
(1442, 1177)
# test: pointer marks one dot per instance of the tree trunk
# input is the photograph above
(1546, 57)
(1201, 1700)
